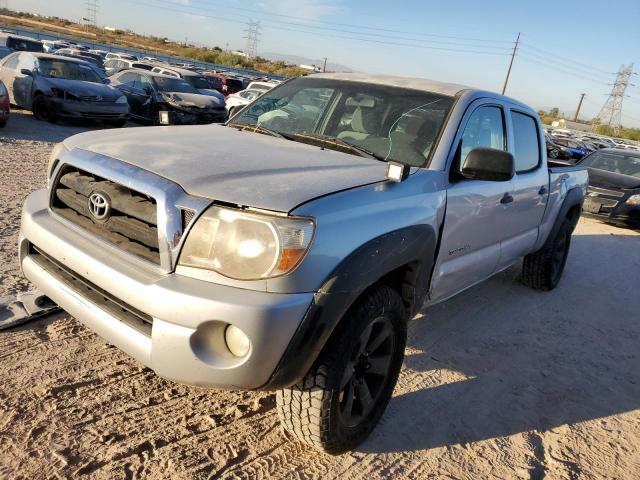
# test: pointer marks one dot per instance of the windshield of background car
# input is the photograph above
(196, 82)
(392, 123)
(54, 68)
(611, 162)
(24, 45)
(170, 84)
(235, 83)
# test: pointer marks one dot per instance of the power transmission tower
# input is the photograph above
(91, 15)
(252, 35)
(611, 112)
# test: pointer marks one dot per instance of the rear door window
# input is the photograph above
(526, 142)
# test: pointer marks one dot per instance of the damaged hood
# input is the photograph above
(240, 167)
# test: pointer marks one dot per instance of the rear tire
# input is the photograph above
(41, 110)
(543, 269)
(340, 400)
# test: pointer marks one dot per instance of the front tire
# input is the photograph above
(41, 110)
(543, 269)
(340, 400)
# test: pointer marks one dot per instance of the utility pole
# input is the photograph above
(513, 55)
(253, 33)
(611, 112)
(324, 65)
(575, 117)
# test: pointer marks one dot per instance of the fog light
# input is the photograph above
(237, 341)
(164, 118)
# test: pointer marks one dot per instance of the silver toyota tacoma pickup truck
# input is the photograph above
(288, 249)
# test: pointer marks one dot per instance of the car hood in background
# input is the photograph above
(611, 180)
(193, 100)
(81, 88)
(212, 93)
(240, 167)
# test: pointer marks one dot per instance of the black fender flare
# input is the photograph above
(415, 245)
(574, 198)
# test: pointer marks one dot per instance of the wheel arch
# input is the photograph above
(402, 259)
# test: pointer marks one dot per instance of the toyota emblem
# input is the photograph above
(99, 206)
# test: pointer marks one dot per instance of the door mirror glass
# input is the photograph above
(488, 164)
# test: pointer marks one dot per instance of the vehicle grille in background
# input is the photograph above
(187, 216)
(116, 307)
(132, 224)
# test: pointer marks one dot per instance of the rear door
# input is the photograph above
(530, 188)
(476, 216)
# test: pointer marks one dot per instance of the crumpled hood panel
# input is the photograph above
(240, 167)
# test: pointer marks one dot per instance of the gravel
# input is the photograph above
(500, 381)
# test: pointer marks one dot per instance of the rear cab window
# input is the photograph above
(526, 142)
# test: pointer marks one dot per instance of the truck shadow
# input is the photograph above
(501, 359)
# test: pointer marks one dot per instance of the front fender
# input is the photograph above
(412, 246)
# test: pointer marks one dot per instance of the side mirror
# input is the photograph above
(26, 72)
(148, 90)
(488, 164)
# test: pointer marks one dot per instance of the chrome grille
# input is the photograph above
(132, 224)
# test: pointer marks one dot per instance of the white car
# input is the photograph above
(242, 98)
(264, 86)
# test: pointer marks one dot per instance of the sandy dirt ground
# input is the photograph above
(499, 382)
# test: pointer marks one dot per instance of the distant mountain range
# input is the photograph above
(298, 60)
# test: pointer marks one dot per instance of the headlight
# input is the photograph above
(246, 246)
(121, 99)
(57, 151)
(634, 200)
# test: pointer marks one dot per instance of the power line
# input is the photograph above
(563, 64)
(308, 22)
(325, 35)
(591, 68)
(319, 30)
(557, 69)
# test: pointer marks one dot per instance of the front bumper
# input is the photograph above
(89, 110)
(181, 319)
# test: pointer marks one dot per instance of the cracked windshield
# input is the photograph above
(379, 121)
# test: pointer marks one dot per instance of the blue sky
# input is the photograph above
(568, 47)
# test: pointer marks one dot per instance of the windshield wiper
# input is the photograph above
(258, 129)
(328, 139)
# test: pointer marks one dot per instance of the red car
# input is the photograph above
(224, 84)
(4, 105)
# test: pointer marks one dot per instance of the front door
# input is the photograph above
(476, 213)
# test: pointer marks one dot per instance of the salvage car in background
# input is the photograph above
(195, 79)
(225, 84)
(18, 43)
(4, 105)
(162, 100)
(240, 99)
(556, 151)
(115, 65)
(577, 148)
(614, 186)
(59, 87)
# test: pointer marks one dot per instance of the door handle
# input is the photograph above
(506, 199)
(543, 190)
